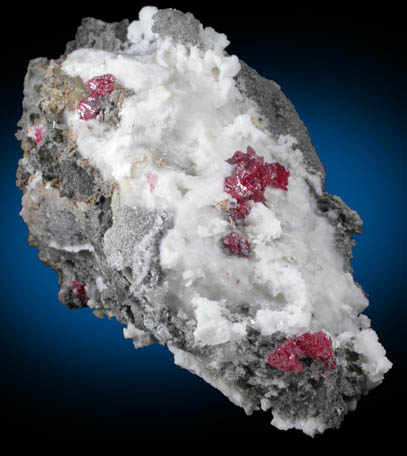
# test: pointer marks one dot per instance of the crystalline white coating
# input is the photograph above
(139, 32)
(72, 248)
(212, 328)
(374, 361)
(311, 426)
(100, 284)
(140, 338)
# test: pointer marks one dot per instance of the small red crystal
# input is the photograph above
(78, 289)
(101, 85)
(250, 178)
(38, 135)
(88, 108)
(278, 175)
(237, 244)
(315, 345)
(152, 179)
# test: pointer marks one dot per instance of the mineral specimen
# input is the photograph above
(173, 188)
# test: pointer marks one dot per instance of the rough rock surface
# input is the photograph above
(88, 236)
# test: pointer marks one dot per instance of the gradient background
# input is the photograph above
(67, 375)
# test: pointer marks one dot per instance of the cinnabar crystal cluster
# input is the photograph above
(251, 176)
(314, 345)
(248, 182)
(100, 86)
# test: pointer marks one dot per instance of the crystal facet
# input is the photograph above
(100, 86)
(314, 345)
(250, 178)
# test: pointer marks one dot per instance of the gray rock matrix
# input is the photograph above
(71, 205)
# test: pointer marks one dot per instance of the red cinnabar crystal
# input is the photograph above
(78, 289)
(315, 345)
(286, 357)
(152, 179)
(88, 108)
(278, 175)
(100, 86)
(237, 244)
(250, 178)
(38, 135)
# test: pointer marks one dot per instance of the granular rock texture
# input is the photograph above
(173, 188)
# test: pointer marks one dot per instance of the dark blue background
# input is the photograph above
(67, 375)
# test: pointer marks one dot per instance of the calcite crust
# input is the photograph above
(173, 188)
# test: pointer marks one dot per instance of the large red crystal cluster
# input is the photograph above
(315, 345)
(100, 86)
(251, 176)
(248, 182)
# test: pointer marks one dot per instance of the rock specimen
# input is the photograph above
(173, 188)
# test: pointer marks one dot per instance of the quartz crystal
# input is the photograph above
(175, 189)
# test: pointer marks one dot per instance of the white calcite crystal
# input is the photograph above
(239, 262)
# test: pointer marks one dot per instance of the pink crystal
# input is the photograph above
(242, 157)
(286, 357)
(237, 244)
(38, 135)
(250, 178)
(78, 289)
(88, 107)
(101, 85)
(152, 180)
(315, 345)
(278, 175)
